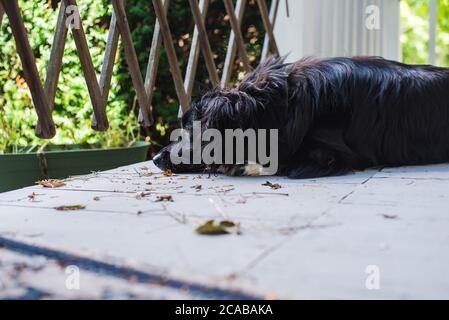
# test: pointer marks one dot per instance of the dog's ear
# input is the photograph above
(228, 109)
(260, 101)
(268, 85)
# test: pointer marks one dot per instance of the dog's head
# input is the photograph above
(259, 102)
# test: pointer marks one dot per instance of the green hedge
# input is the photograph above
(415, 31)
(73, 110)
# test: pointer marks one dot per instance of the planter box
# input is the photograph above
(59, 162)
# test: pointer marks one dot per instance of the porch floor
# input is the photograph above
(325, 238)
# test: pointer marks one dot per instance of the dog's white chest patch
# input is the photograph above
(254, 170)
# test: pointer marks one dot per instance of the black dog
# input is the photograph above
(333, 115)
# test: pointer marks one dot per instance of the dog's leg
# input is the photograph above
(310, 170)
(319, 162)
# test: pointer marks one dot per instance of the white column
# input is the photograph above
(433, 20)
(337, 28)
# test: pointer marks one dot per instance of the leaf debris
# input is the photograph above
(51, 183)
(164, 199)
(390, 216)
(75, 207)
(223, 189)
(241, 200)
(32, 196)
(274, 186)
(141, 195)
(215, 228)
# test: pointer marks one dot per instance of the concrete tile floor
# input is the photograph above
(374, 234)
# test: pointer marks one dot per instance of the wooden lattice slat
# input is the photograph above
(153, 60)
(171, 54)
(109, 58)
(108, 63)
(56, 55)
(238, 34)
(204, 43)
(194, 55)
(131, 58)
(99, 92)
(268, 26)
(273, 15)
(55, 63)
(44, 96)
(90, 76)
(2, 12)
(232, 48)
(47, 128)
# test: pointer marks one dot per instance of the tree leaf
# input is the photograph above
(213, 228)
(164, 199)
(168, 173)
(51, 183)
(274, 186)
(75, 207)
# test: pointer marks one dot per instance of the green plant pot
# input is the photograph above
(58, 162)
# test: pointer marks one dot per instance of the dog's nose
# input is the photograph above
(162, 160)
(157, 160)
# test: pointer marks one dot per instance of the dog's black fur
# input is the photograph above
(335, 115)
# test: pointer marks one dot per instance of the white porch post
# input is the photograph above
(339, 28)
(433, 20)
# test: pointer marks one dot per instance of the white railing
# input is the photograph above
(433, 22)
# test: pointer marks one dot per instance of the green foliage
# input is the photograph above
(415, 31)
(73, 109)
(142, 19)
(443, 33)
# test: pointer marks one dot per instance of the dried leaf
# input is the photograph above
(32, 196)
(213, 228)
(142, 195)
(225, 190)
(241, 200)
(274, 186)
(71, 207)
(51, 183)
(197, 187)
(144, 171)
(164, 199)
(168, 173)
(390, 217)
